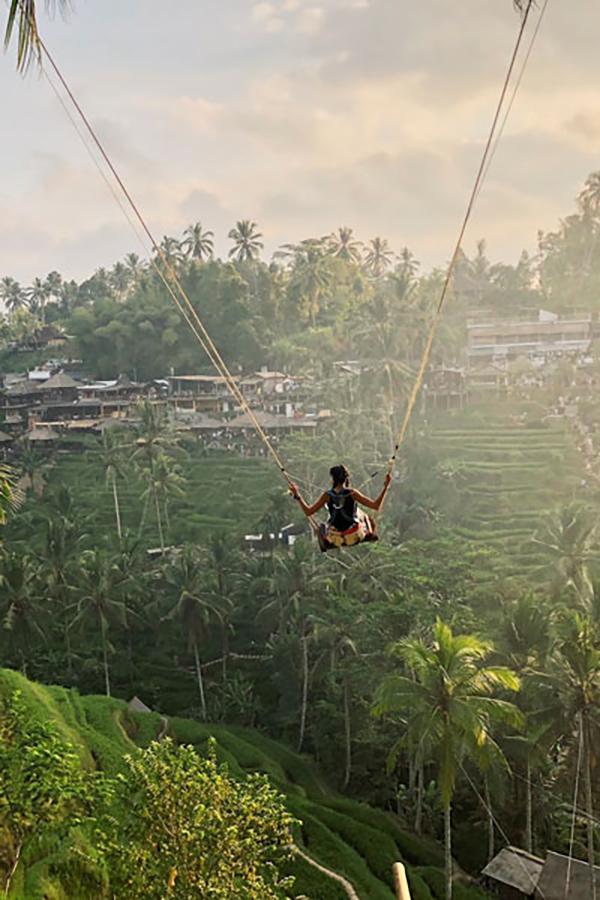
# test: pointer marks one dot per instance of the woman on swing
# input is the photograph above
(347, 524)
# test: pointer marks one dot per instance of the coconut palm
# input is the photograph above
(99, 585)
(37, 296)
(193, 608)
(451, 696)
(20, 602)
(343, 245)
(379, 257)
(570, 540)
(113, 463)
(10, 495)
(311, 276)
(247, 242)
(198, 243)
(134, 266)
(12, 294)
(170, 251)
(120, 280)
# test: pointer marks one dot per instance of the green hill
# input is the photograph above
(351, 839)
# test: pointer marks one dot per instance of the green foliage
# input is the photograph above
(42, 787)
(217, 837)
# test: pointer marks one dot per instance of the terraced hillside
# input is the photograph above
(220, 493)
(346, 837)
(509, 479)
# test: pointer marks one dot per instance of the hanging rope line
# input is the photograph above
(516, 89)
(479, 180)
(172, 282)
(575, 799)
(170, 278)
(505, 837)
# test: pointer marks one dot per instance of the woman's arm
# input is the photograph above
(306, 509)
(374, 504)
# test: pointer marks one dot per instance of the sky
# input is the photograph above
(303, 115)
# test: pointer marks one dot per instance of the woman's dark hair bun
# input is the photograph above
(339, 474)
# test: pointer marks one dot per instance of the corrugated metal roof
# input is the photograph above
(515, 868)
(553, 879)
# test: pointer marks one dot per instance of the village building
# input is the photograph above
(445, 388)
(547, 337)
(201, 393)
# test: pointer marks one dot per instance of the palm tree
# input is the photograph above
(247, 242)
(338, 650)
(170, 251)
(578, 649)
(311, 276)
(198, 243)
(570, 539)
(134, 266)
(452, 704)
(120, 280)
(12, 294)
(37, 297)
(343, 245)
(113, 463)
(53, 284)
(164, 481)
(20, 609)
(10, 495)
(155, 439)
(193, 608)
(379, 257)
(99, 584)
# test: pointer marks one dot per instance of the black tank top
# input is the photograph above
(342, 509)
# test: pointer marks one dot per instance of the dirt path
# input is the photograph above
(352, 895)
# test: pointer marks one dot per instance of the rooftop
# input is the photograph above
(515, 868)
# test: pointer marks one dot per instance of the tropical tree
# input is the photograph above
(113, 463)
(451, 694)
(120, 280)
(311, 276)
(170, 251)
(36, 298)
(10, 495)
(194, 609)
(198, 243)
(99, 585)
(578, 657)
(12, 294)
(247, 241)
(20, 608)
(570, 539)
(134, 266)
(343, 245)
(379, 257)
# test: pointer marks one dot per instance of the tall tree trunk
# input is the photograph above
(200, 681)
(419, 797)
(304, 647)
(13, 869)
(144, 514)
(117, 507)
(490, 817)
(161, 536)
(105, 661)
(448, 850)
(347, 732)
(589, 805)
(225, 649)
(528, 810)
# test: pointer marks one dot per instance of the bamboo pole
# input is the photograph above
(401, 883)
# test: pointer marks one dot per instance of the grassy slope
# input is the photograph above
(358, 842)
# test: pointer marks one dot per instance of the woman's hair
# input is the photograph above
(339, 474)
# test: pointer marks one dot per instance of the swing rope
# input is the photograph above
(479, 180)
(170, 279)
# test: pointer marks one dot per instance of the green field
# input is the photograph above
(350, 838)
(221, 493)
(511, 479)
